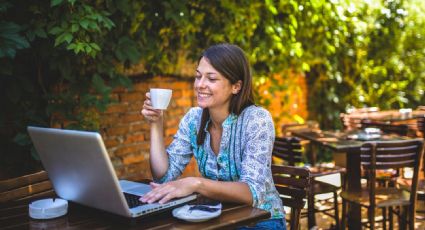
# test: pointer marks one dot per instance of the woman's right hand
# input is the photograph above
(150, 114)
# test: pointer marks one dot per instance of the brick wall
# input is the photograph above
(126, 133)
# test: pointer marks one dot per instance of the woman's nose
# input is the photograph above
(200, 83)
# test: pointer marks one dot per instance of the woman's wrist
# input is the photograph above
(158, 122)
(196, 183)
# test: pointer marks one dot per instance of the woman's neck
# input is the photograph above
(217, 117)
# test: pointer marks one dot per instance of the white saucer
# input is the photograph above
(184, 213)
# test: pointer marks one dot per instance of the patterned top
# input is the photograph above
(245, 154)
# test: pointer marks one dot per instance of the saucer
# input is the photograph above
(184, 213)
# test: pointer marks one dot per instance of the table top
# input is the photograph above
(14, 215)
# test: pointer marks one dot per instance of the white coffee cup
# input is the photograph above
(160, 98)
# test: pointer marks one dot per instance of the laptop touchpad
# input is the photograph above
(134, 187)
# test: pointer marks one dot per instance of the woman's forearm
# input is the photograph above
(224, 190)
(158, 156)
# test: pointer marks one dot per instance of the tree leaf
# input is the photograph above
(55, 2)
(84, 23)
(56, 30)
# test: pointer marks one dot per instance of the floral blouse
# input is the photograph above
(245, 154)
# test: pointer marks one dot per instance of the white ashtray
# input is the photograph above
(48, 208)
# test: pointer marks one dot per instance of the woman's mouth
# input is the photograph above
(204, 95)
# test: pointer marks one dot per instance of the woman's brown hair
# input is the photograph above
(230, 61)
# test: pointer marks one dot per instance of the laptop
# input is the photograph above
(80, 170)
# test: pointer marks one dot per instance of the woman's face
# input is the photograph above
(212, 89)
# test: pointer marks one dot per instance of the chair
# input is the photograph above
(421, 125)
(386, 155)
(26, 187)
(349, 122)
(292, 183)
(400, 129)
(406, 183)
(289, 149)
(288, 128)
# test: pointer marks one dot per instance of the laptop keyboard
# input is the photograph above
(132, 200)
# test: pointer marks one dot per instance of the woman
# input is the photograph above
(229, 136)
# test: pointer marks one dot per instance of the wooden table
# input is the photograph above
(14, 215)
(338, 142)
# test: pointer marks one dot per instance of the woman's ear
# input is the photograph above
(236, 87)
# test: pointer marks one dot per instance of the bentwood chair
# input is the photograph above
(289, 150)
(26, 187)
(387, 155)
(292, 183)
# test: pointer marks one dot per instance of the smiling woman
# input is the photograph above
(230, 138)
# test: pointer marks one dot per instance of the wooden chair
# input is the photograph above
(406, 183)
(288, 149)
(400, 129)
(292, 183)
(26, 187)
(288, 128)
(421, 125)
(349, 122)
(387, 155)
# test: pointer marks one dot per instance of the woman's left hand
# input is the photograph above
(173, 189)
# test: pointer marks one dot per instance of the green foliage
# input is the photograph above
(10, 39)
(378, 60)
(58, 67)
(59, 58)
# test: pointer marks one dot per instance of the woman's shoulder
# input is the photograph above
(254, 111)
(194, 113)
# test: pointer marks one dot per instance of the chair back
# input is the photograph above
(350, 122)
(292, 183)
(26, 187)
(288, 149)
(421, 125)
(391, 155)
(400, 129)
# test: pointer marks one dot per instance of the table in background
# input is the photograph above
(14, 215)
(338, 142)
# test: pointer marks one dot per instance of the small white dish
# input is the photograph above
(366, 137)
(48, 208)
(372, 130)
(184, 213)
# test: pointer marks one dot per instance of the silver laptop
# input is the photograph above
(80, 170)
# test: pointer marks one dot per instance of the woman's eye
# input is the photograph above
(198, 77)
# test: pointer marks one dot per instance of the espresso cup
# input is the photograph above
(160, 98)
